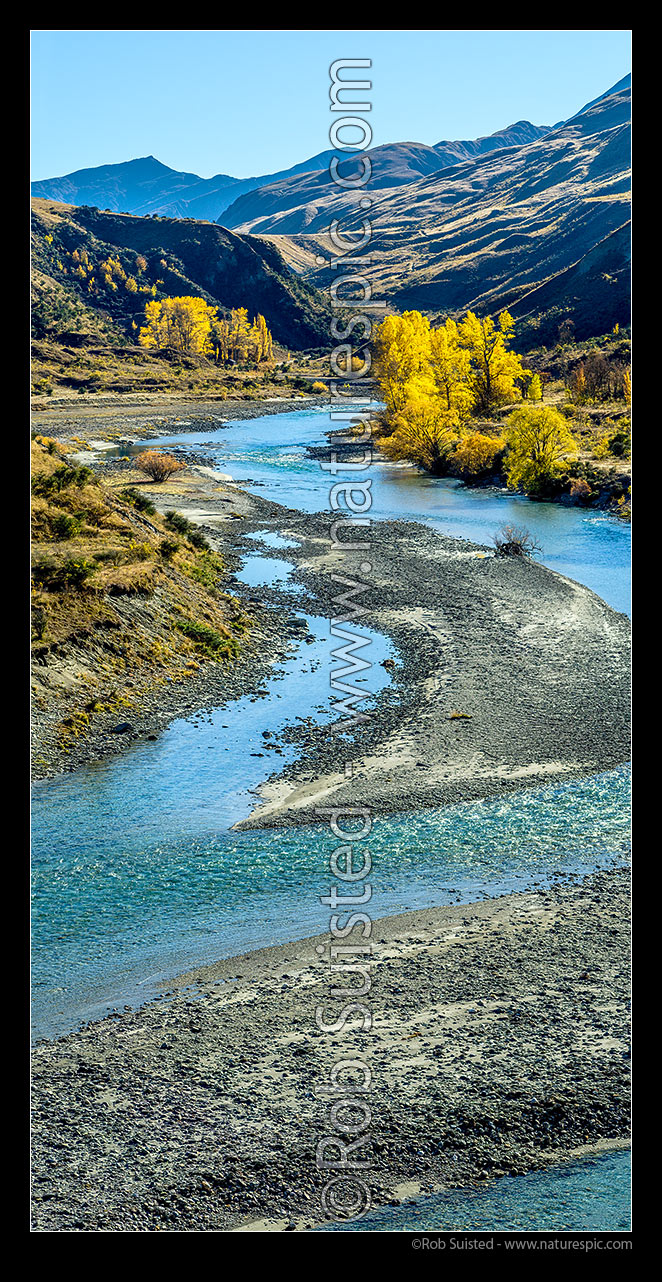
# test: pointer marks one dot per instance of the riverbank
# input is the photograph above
(111, 661)
(499, 1044)
(136, 417)
(508, 675)
(145, 417)
(607, 489)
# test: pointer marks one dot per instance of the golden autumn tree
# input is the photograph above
(239, 332)
(539, 445)
(424, 433)
(401, 361)
(494, 367)
(182, 324)
(235, 338)
(158, 466)
(220, 339)
(534, 390)
(261, 341)
(434, 381)
(450, 366)
(476, 453)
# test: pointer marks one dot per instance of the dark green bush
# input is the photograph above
(38, 621)
(138, 500)
(65, 526)
(63, 478)
(209, 639)
(175, 521)
(619, 441)
(71, 574)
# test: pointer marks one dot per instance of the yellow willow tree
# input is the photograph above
(401, 365)
(235, 338)
(260, 341)
(181, 324)
(424, 433)
(450, 366)
(494, 368)
(476, 453)
(239, 335)
(539, 445)
(534, 390)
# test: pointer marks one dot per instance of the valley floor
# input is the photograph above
(507, 674)
(499, 1040)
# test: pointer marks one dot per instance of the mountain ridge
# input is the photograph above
(144, 185)
(532, 218)
(484, 233)
(167, 258)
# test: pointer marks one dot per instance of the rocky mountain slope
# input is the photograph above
(537, 227)
(530, 218)
(145, 186)
(293, 201)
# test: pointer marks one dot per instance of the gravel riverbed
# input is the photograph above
(499, 1043)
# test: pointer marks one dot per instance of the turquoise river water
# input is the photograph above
(588, 1196)
(270, 454)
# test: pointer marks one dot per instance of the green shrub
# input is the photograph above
(207, 571)
(63, 478)
(619, 441)
(175, 521)
(38, 621)
(138, 500)
(71, 574)
(209, 640)
(65, 526)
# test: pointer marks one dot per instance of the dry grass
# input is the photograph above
(121, 605)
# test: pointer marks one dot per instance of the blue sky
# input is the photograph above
(251, 102)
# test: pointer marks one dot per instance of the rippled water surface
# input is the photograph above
(137, 874)
(590, 1196)
(137, 877)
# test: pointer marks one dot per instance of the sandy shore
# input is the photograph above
(499, 1043)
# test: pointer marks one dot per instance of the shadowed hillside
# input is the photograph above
(145, 187)
(295, 201)
(164, 258)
